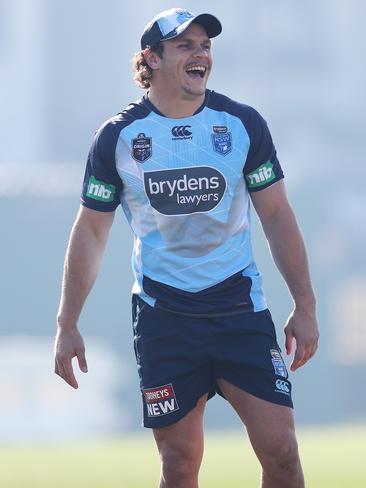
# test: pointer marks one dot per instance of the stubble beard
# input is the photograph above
(191, 94)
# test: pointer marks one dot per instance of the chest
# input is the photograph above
(185, 161)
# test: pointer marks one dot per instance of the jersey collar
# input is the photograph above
(146, 101)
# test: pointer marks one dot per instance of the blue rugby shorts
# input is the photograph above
(180, 358)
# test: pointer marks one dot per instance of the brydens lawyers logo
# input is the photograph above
(184, 191)
(160, 400)
(141, 148)
(181, 132)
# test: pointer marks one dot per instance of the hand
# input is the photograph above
(68, 344)
(301, 326)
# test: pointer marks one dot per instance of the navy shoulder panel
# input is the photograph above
(107, 135)
(262, 167)
(222, 103)
(134, 111)
(102, 184)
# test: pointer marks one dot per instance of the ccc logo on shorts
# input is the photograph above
(181, 132)
(283, 386)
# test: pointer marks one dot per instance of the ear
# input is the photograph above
(152, 59)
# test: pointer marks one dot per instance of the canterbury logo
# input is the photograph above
(181, 131)
(283, 386)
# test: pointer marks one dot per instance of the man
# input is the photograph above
(182, 161)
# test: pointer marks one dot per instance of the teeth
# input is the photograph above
(202, 69)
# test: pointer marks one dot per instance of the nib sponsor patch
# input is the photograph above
(160, 400)
(99, 190)
(261, 176)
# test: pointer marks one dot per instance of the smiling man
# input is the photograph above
(184, 163)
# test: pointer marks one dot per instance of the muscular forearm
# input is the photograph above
(82, 262)
(288, 251)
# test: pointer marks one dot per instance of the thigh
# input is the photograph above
(185, 437)
(270, 426)
(248, 356)
(172, 363)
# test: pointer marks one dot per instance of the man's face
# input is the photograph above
(186, 63)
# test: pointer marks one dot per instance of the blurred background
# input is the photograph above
(65, 69)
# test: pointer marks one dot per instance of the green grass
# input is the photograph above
(331, 457)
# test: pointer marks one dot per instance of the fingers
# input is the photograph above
(69, 343)
(69, 374)
(56, 369)
(299, 358)
(82, 360)
(314, 348)
(64, 369)
(303, 354)
(289, 342)
(301, 327)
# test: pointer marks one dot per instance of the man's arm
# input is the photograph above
(288, 251)
(83, 257)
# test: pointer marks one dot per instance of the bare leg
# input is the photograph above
(272, 434)
(181, 449)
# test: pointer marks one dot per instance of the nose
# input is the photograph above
(200, 52)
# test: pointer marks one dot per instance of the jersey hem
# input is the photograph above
(254, 190)
(105, 210)
(203, 315)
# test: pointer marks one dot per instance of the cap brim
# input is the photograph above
(209, 22)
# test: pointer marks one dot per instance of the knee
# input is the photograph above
(287, 460)
(282, 460)
(179, 463)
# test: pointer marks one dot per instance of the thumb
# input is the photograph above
(289, 341)
(82, 361)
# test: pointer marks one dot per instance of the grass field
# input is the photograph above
(332, 458)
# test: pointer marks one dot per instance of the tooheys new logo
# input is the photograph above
(185, 190)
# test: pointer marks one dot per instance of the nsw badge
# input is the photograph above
(141, 148)
(278, 364)
(221, 139)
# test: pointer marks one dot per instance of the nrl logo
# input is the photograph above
(141, 148)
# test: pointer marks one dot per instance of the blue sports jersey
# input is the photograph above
(184, 187)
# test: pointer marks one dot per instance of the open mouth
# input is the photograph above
(196, 71)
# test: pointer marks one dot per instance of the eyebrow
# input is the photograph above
(191, 40)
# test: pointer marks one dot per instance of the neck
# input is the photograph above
(174, 107)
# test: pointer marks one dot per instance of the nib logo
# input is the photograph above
(98, 190)
(261, 176)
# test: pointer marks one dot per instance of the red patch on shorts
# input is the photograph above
(160, 400)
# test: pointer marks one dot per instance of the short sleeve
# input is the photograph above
(262, 168)
(102, 184)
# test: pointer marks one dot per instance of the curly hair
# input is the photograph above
(143, 72)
